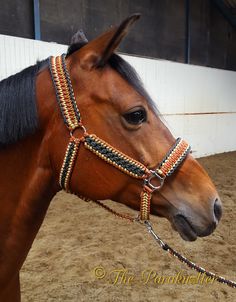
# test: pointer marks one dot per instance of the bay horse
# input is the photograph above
(108, 95)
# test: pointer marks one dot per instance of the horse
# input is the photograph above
(45, 137)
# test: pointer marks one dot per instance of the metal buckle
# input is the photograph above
(148, 183)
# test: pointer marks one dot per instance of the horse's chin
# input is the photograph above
(188, 229)
(184, 228)
(180, 224)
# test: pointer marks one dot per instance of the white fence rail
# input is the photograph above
(197, 103)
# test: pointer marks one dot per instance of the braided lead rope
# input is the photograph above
(164, 245)
(145, 195)
(110, 210)
(183, 259)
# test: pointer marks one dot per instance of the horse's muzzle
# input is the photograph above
(190, 230)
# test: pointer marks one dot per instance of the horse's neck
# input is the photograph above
(27, 186)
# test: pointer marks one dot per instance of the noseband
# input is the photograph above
(72, 119)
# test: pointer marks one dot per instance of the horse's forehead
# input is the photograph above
(109, 82)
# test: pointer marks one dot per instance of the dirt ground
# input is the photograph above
(80, 242)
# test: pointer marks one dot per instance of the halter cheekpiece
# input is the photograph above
(72, 119)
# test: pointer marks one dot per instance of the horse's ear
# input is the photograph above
(97, 52)
(79, 37)
(77, 41)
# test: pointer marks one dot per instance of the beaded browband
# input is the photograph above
(72, 119)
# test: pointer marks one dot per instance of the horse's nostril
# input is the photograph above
(217, 209)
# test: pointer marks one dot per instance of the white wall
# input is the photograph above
(197, 103)
(18, 53)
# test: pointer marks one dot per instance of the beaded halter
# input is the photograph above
(121, 161)
(72, 119)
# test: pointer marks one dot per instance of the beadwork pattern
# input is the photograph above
(64, 92)
(68, 164)
(115, 157)
(174, 158)
(146, 196)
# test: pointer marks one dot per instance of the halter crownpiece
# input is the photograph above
(72, 119)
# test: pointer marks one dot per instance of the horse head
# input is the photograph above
(114, 105)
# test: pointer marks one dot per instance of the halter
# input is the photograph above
(121, 161)
(72, 119)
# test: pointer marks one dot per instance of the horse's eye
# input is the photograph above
(136, 117)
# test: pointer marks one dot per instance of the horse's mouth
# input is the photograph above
(184, 228)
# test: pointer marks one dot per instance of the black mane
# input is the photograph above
(18, 112)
